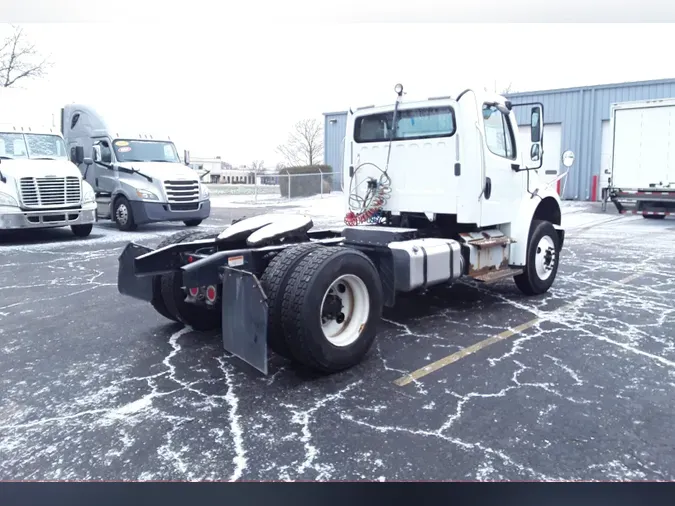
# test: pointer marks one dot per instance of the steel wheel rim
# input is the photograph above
(545, 257)
(355, 307)
(122, 214)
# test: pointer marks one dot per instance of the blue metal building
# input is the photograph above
(574, 118)
(335, 127)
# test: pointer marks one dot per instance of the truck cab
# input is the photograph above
(138, 178)
(455, 166)
(39, 186)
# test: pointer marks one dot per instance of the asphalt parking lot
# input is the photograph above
(465, 383)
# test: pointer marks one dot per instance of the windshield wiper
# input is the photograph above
(163, 161)
(43, 158)
(132, 170)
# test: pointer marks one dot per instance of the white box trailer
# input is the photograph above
(642, 168)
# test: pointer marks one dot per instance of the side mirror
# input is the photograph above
(96, 153)
(536, 126)
(77, 155)
(568, 158)
(186, 157)
(87, 161)
(537, 135)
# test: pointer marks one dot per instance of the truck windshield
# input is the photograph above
(34, 146)
(145, 151)
(423, 123)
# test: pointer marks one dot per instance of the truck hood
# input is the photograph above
(163, 171)
(17, 169)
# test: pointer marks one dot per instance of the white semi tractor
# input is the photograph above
(438, 189)
(39, 186)
(642, 166)
(138, 178)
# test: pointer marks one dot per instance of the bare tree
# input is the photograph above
(257, 166)
(304, 145)
(19, 59)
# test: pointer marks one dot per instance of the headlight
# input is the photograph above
(204, 192)
(8, 200)
(146, 195)
(88, 194)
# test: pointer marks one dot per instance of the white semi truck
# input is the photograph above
(138, 178)
(39, 186)
(438, 189)
(642, 166)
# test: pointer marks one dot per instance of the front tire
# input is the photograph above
(192, 223)
(543, 255)
(82, 230)
(331, 308)
(654, 216)
(123, 215)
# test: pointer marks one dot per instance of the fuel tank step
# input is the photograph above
(497, 275)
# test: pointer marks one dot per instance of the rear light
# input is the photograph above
(194, 292)
(211, 293)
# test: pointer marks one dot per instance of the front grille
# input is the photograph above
(50, 191)
(53, 218)
(184, 207)
(181, 191)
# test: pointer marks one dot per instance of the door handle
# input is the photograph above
(487, 191)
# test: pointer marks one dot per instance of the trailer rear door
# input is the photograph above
(643, 149)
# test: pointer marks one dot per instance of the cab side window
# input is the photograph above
(498, 132)
(106, 152)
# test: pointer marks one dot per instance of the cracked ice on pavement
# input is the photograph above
(99, 386)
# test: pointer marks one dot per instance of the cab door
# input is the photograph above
(502, 184)
(103, 175)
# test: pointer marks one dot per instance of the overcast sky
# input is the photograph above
(236, 90)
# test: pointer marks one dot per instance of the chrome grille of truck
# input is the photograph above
(181, 191)
(50, 191)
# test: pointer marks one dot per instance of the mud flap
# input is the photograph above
(244, 308)
(561, 234)
(138, 287)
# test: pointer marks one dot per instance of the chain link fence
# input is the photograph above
(246, 185)
(276, 187)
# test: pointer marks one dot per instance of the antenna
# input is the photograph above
(399, 93)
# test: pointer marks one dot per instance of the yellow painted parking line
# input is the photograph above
(470, 350)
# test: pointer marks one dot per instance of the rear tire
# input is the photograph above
(543, 255)
(157, 299)
(274, 281)
(197, 317)
(82, 230)
(332, 342)
(654, 216)
(192, 223)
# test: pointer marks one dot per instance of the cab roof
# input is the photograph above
(481, 96)
(29, 129)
